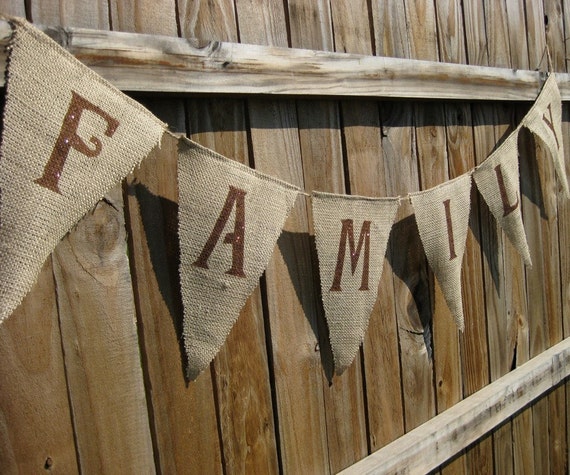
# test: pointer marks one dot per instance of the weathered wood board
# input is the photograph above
(328, 96)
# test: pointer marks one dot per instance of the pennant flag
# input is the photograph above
(68, 138)
(497, 179)
(544, 119)
(351, 236)
(442, 215)
(230, 218)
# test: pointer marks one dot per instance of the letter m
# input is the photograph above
(347, 232)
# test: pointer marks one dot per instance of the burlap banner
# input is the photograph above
(350, 267)
(442, 215)
(497, 179)
(69, 137)
(230, 218)
(545, 120)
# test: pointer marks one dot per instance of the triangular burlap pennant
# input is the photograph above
(497, 179)
(351, 235)
(68, 138)
(545, 120)
(442, 215)
(230, 218)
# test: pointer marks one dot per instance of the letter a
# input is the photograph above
(236, 239)
(69, 139)
(347, 230)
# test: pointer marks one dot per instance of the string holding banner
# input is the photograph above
(69, 137)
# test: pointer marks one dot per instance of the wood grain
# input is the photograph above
(291, 293)
(557, 443)
(364, 161)
(100, 343)
(183, 415)
(411, 293)
(523, 437)
(97, 321)
(241, 369)
(447, 339)
(144, 16)
(266, 405)
(323, 168)
(461, 159)
(36, 431)
(426, 447)
(72, 13)
(137, 62)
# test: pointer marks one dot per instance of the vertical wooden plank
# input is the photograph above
(522, 20)
(321, 153)
(489, 42)
(100, 344)
(97, 319)
(243, 385)
(183, 415)
(291, 295)
(433, 166)
(411, 292)
(14, 8)
(144, 16)
(431, 155)
(558, 448)
(523, 440)
(504, 330)
(564, 229)
(397, 148)
(208, 20)
(364, 158)
(241, 368)
(471, 347)
(36, 432)
(461, 158)
(78, 13)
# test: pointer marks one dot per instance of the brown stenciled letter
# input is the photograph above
(550, 123)
(69, 139)
(451, 240)
(236, 239)
(347, 230)
(507, 208)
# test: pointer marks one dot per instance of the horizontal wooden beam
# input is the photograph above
(136, 62)
(431, 444)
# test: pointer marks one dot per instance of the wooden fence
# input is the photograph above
(91, 365)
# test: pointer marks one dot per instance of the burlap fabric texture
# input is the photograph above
(442, 215)
(230, 217)
(498, 181)
(69, 137)
(351, 235)
(544, 119)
